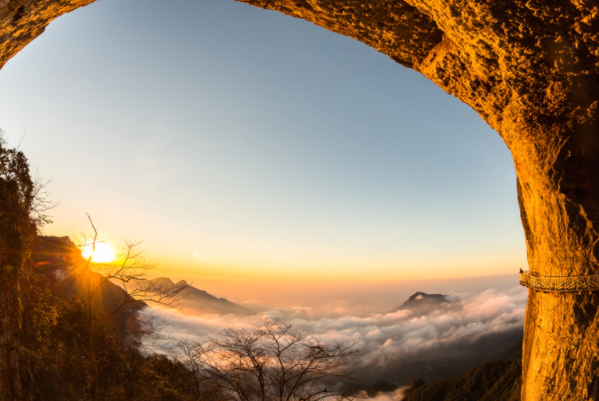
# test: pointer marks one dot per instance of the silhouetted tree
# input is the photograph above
(130, 267)
(271, 363)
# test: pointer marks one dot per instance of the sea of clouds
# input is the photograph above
(460, 333)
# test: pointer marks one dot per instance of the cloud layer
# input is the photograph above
(458, 334)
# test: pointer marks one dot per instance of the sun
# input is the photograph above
(103, 253)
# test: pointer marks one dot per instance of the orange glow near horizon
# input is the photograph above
(103, 253)
(379, 271)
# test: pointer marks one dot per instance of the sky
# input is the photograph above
(251, 151)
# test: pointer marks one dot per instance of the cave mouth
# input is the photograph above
(349, 152)
(529, 70)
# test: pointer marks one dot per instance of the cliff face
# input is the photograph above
(530, 69)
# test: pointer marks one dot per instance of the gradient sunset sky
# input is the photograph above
(242, 144)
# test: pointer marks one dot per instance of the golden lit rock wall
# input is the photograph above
(530, 69)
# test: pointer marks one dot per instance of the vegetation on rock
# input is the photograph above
(17, 233)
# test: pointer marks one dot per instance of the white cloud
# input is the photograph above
(475, 327)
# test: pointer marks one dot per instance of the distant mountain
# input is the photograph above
(425, 370)
(421, 303)
(512, 354)
(379, 387)
(492, 381)
(498, 380)
(198, 302)
(495, 380)
(382, 386)
(59, 260)
(58, 257)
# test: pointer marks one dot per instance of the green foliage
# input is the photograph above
(17, 200)
(17, 232)
(17, 228)
(14, 169)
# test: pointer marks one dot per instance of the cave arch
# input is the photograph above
(529, 69)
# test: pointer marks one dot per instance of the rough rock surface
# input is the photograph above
(530, 69)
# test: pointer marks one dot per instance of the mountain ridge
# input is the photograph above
(196, 301)
(57, 257)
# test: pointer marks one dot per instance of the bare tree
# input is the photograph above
(131, 270)
(271, 363)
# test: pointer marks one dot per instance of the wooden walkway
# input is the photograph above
(543, 283)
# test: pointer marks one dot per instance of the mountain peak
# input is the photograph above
(423, 296)
(421, 303)
(164, 281)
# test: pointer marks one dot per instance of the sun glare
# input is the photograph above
(103, 253)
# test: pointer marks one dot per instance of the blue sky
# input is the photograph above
(244, 144)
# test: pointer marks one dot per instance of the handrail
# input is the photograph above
(541, 282)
